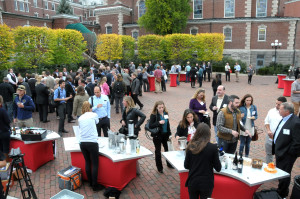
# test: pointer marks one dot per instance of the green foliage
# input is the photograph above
(6, 46)
(109, 47)
(165, 17)
(150, 47)
(178, 47)
(269, 70)
(220, 65)
(64, 7)
(70, 46)
(34, 46)
(128, 47)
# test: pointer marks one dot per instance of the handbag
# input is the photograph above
(153, 131)
(255, 136)
(158, 79)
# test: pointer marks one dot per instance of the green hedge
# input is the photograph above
(269, 70)
(220, 66)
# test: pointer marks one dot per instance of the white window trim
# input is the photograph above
(266, 9)
(224, 34)
(233, 9)
(47, 16)
(16, 5)
(36, 14)
(194, 28)
(133, 31)
(194, 8)
(35, 3)
(138, 5)
(52, 6)
(46, 3)
(107, 25)
(262, 27)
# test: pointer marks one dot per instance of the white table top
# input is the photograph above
(51, 135)
(249, 176)
(72, 145)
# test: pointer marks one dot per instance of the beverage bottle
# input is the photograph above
(235, 162)
(128, 147)
(138, 146)
(240, 164)
(14, 130)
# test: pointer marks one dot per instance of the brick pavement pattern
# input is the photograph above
(150, 183)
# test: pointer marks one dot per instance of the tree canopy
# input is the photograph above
(165, 17)
(64, 7)
(6, 46)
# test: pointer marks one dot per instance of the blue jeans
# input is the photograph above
(8, 106)
(187, 76)
(228, 147)
(245, 141)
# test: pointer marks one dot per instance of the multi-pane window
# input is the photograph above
(47, 16)
(198, 8)
(53, 7)
(194, 31)
(46, 5)
(80, 18)
(108, 30)
(261, 34)
(21, 6)
(26, 6)
(135, 34)
(227, 31)
(260, 61)
(142, 8)
(35, 3)
(261, 8)
(16, 4)
(229, 8)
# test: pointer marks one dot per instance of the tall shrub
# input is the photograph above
(109, 47)
(150, 47)
(6, 46)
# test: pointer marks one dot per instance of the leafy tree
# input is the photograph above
(150, 47)
(70, 46)
(128, 47)
(109, 47)
(178, 47)
(6, 46)
(64, 7)
(209, 46)
(34, 46)
(165, 17)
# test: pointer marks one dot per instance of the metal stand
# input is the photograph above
(27, 189)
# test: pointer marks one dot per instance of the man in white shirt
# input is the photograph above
(271, 122)
(12, 78)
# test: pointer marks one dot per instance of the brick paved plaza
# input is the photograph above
(150, 183)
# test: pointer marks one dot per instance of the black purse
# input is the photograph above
(153, 131)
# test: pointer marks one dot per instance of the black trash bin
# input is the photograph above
(296, 188)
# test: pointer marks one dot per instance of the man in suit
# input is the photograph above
(42, 96)
(90, 84)
(286, 144)
(208, 70)
(218, 102)
(7, 91)
(135, 89)
(70, 91)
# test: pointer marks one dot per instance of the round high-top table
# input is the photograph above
(173, 78)
(287, 87)
(280, 80)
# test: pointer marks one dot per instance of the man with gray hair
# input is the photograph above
(286, 145)
(7, 91)
(42, 97)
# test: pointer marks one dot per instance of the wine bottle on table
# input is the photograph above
(240, 163)
(235, 162)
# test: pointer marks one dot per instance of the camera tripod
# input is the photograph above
(22, 175)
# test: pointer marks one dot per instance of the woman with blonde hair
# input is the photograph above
(88, 137)
(201, 159)
(131, 113)
(80, 97)
(160, 118)
(198, 104)
(104, 86)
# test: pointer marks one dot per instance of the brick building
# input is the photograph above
(249, 26)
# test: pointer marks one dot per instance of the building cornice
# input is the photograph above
(113, 10)
(291, 1)
(65, 16)
(242, 20)
(26, 17)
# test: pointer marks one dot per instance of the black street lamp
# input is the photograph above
(275, 45)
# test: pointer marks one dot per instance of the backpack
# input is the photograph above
(119, 88)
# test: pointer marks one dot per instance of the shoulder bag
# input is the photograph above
(153, 131)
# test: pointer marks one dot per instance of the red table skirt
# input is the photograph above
(110, 174)
(182, 78)
(280, 81)
(287, 87)
(36, 154)
(173, 78)
(224, 188)
(151, 83)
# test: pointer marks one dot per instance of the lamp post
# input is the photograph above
(275, 45)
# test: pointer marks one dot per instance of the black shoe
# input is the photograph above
(170, 166)
(64, 131)
(117, 112)
(141, 107)
(98, 187)
(71, 121)
(160, 171)
(46, 121)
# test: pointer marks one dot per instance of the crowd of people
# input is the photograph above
(89, 96)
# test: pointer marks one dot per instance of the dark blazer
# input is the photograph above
(135, 86)
(109, 77)
(288, 144)
(184, 131)
(31, 83)
(155, 123)
(201, 165)
(69, 91)
(134, 114)
(42, 94)
(91, 86)
(214, 103)
(6, 91)
(193, 73)
(89, 91)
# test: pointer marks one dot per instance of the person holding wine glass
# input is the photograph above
(188, 125)
(198, 104)
(201, 159)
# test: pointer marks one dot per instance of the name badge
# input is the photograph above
(201, 103)
(224, 105)
(286, 131)
(166, 116)
(253, 112)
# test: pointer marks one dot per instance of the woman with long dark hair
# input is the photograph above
(160, 118)
(188, 125)
(248, 114)
(201, 159)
